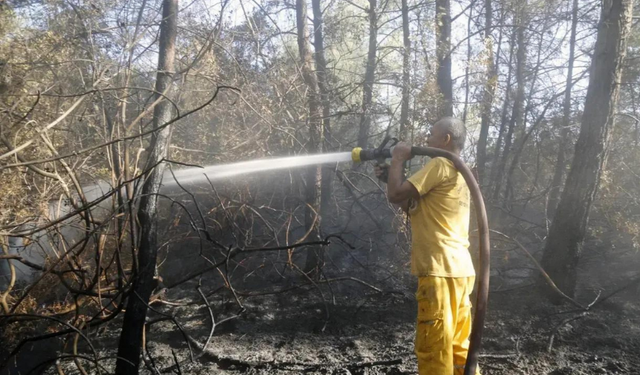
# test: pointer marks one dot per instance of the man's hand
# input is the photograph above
(399, 190)
(382, 172)
(401, 152)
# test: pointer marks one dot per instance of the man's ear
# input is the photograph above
(447, 139)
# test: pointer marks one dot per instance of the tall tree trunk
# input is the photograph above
(563, 246)
(554, 193)
(523, 134)
(369, 77)
(636, 136)
(443, 55)
(466, 69)
(489, 92)
(518, 104)
(312, 181)
(404, 133)
(504, 112)
(321, 72)
(134, 319)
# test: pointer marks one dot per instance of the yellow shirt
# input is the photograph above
(440, 222)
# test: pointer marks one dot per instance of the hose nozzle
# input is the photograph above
(381, 153)
(355, 155)
(359, 155)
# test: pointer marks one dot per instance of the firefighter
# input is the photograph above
(438, 203)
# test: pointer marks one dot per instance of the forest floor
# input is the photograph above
(347, 327)
(372, 333)
(356, 330)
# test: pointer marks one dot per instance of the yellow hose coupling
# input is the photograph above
(355, 154)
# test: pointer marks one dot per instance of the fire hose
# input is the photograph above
(384, 152)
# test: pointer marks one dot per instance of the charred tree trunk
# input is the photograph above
(321, 72)
(558, 175)
(315, 257)
(466, 69)
(563, 246)
(517, 113)
(369, 77)
(487, 96)
(503, 115)
(134, 319)
(404, 133)
(523, 134)
(443, 55)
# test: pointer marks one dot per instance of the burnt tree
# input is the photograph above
(314, 118)
(443, 58)
(488, 93)
(323, 87)
(558, 175)
(503, 112)
(369, 77)
(523, 130)
(406, 75)
(470, 20)
(517, 113)
(563, 246)
(134, 319)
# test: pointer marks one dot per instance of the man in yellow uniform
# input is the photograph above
(437, 200)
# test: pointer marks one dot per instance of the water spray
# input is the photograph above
(383, 152)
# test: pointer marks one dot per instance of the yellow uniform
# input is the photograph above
(441, 260)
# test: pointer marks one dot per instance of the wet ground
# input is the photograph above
(360, 331)
(291, 326)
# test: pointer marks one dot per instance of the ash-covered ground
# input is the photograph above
(348, 328)
(260, 315)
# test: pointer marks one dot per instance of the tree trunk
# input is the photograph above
(404, 133)
(563, 246)
(369, 77)
(523, 133)
(134, 319)
(443, 55)
(489, 92)
(503, 115)
(518, 104)
(312, 181)
(554, 193)
(321, 72)
(466, 69)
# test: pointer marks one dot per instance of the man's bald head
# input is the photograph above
(456, 131)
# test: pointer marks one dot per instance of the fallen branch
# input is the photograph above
(237, 251)
(300, 366)
(566, 321)
(546, 276)
(211, 316)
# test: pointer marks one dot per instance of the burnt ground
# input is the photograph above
(353, 329)
(290, 326)
(357, 330)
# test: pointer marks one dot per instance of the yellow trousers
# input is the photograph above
(443, 324)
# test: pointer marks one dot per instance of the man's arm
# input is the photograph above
(382, 172)
(399, 191)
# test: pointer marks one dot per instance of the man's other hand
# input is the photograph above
(401, 152)
(382, 172)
